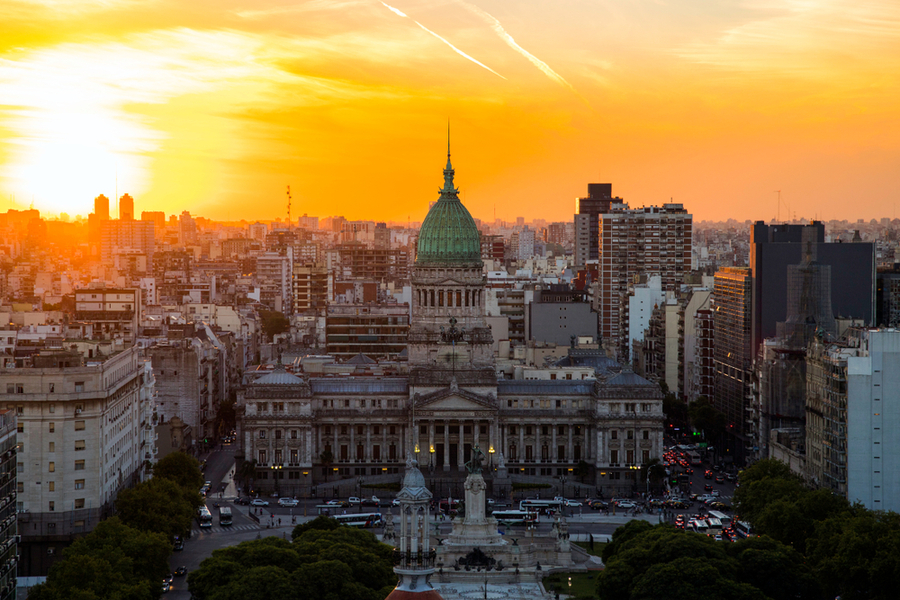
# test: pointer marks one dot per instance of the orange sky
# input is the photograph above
(216, 106)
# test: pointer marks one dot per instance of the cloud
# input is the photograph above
(498, 28)
(455, 49)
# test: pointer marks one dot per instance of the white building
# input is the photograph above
(85, 432)
(641, 302)
(873, 421)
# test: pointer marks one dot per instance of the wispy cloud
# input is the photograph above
(498, 28)
(455, 49)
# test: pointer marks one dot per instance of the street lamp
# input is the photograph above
(562, 484)
(359, 482)
(275, 470)
(431, 451)
(491, 458)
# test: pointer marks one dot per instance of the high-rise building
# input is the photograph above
(101, 207)
(126, 208)
(587, 221)
(312, 287)
(85, 433)
(654, 240)
(775, 247)
(853, 417)
(113, 312)
(127, 235)
(9, 548)
(187, 229)
(732, 354)
(273, 275)
(158, 218)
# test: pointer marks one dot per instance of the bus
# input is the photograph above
(204, 517)
(224, 515)
(515, 517)
(694, 457)
(743, 529)
(700, 526)
(539, 505)
(722, 517)
(359, 519)
(714, 526)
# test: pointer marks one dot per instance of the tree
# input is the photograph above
(158, 505)
(113, 561)
(321, 564)
(180, 468)
(706, 418)
(655, 472)
(273, 323)
(321, 523)
(245, 473)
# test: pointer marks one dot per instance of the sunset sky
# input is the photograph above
(216, 106)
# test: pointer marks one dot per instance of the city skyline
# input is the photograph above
(218, 108)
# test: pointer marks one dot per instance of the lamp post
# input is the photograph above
(491, 458)
(275, 470)
(359, 482)
(431, 452)
(562, 485)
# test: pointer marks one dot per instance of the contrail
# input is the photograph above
(455, 49)
(498, 28)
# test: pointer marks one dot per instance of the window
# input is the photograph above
(262, 406)
(262, 434)
(614, 434)
(630, 434)
(52, 467)
(79, 502)
(20, 388)
(613, 457)
(359, 430)
(277, 434)
(20, 467)
(52, 506)
(79, 386)
(293, 434)
(79, 484)
(646, 434)
(79, 444)
(20, 427)
(262, 457)
(52, 427)
(10, 388)
(52, 447)
(52, 389)
(20, 487)
(79, 465)
(79, 425)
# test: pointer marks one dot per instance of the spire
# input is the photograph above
(449, 191)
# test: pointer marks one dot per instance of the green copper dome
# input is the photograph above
(448, 234)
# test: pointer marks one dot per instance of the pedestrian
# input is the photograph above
(279, 521)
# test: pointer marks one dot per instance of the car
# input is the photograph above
(178, 545)
(625, 504)
(715, 493)
(598, 504)
(354, 500)
(181, 571)
(166, 586)
(708, 487)
(243, 500)
(336, 502)
(259, 502)
(169, 578)
(373, 501)
(288, 502)
(395, 502)
(718, 537)
(708, 475)
(720, 479)
(731, 477)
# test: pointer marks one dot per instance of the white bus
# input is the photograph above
(515, 517)
(539, 505)
(722, 517)
(700, 526)
(204, 517)
(224, 515)
(743, 529)
(359, 519)
(714, 526)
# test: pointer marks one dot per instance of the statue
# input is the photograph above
(475, 463)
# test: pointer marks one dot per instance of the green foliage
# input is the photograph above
(273, 323)
(323, 563)
(706, 417)
(582, 470)
(158, 505)
(623, 534)
(767, 481)
(112, 562)
(180, 468)
(321, 523)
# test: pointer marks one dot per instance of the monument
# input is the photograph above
(477, 530)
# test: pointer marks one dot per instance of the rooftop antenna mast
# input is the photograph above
(289, 207)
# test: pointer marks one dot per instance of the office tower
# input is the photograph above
(773, 248)
(732, 355)
(654, 240)
(158, 218)
(126, 208)
(587, 219)
(101, 207)
(187, 229)
(273, 276)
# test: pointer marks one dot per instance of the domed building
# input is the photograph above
(322, 436)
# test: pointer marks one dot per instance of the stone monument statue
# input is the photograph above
(474, 466)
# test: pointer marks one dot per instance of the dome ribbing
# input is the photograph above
(448, 234)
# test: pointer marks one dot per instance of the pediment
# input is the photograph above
(450, 399)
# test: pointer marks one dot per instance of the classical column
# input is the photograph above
(446, 446)
(554, 448)
(367, 453)
(352, 448)
(570, 450)
(460, 454)
(521, 452)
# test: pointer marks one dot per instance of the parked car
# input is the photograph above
(354, 500)
(178, 545)
(395, 502)
(288, 502)
(336, 502)
(259, 502)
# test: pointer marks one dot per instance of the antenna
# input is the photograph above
(778, 209)
(289, 206)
